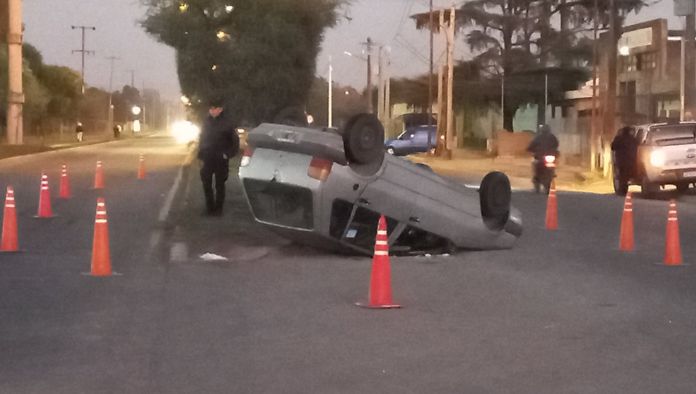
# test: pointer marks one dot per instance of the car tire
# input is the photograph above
(291, 116)
(647, 188)
(682, 187)
(495, 194)
(363, 139)
(391, 151)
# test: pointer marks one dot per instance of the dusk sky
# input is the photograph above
(118, 34)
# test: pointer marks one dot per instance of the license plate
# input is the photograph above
(689, 174)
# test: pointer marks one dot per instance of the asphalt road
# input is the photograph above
(562, 312)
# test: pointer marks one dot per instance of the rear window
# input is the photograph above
(282, 204)
(673, 135)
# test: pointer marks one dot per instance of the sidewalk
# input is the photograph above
(519, 169)
(37, 144)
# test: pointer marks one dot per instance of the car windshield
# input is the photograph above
(673, 134)
(406, 135)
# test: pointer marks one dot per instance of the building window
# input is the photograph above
(646, 61)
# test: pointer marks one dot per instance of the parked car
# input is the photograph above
(414, 140)
(666, 156)
(328, 189)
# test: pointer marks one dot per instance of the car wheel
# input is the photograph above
(682, 187)
(647, 188)
(291, 116)
(363, 140)
(390, 150)
(620, 186)
(495, 195)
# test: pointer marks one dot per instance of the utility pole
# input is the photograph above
(330, 109)
(368, 45)
(132, 73)
(440, 144)
(593, 118)
(450, 82)
(690, 63)
(15, 97)
(380, 86)
(83, 51)
(609, 105)
(429, 102)
(110, 122)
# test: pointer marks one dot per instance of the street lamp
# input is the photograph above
(136, 110)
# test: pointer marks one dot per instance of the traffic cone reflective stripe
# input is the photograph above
(141, 168)
(101, 256)
(672, 245)
(64, 191)
(380, 295)
(99, 176)
(626, 243)
(44, 199)
(9, 242)
(552, 208)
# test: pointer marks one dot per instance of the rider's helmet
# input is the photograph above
(544, 128)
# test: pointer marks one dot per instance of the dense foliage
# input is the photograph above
(259, 55)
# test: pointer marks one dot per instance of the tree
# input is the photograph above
(515, 39)
(63, 85)
(259, 54)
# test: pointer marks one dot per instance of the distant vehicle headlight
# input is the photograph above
(657, 158)
(184, 131)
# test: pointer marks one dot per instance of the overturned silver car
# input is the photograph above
(328, 188)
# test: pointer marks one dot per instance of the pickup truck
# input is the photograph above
(666, 156)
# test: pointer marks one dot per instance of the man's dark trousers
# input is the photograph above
(220, 168)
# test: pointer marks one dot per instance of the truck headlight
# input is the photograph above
(185, 132)
(657, 158)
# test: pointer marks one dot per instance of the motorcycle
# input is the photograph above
(544, 172)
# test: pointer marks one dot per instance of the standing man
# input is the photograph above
(79, 131)
(217, 145)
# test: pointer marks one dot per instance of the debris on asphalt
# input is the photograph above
(213, 257)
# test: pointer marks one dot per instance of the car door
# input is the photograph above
(383, 195)
(420, 140)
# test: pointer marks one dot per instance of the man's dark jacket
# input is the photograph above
(543, 144)
(218, 138)
(625, 148)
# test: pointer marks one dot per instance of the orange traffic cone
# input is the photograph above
(9, 241)
(101, 257)
(380, 296)
(626, 233)
(64, 183)
(141, 168)
(672, 246)
(44, 199)
(552, 208)
(99, 176)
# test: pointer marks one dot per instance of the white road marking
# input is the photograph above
(164, 212)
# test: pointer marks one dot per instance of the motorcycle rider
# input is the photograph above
(543, 144)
